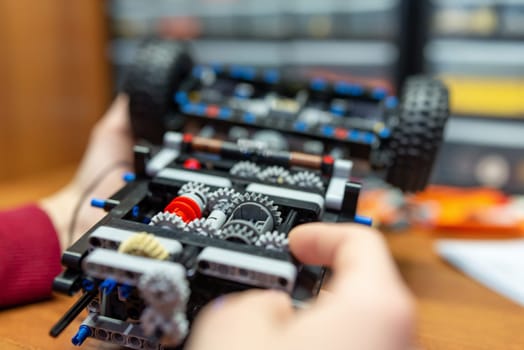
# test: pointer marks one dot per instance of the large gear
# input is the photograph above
(250, 197)
(245, 169)
(273, 240)
(168, 220)
(240, 231)
(276, 174)
(221, 199)
(203, 227)
(308, 179)
(143, 244)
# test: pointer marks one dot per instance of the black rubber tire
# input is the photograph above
(416, 139)
(156, 72)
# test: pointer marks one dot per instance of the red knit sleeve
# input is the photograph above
(29, 255)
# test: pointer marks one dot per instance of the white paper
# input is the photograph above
(498, 264)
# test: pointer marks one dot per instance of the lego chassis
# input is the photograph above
(201, 216)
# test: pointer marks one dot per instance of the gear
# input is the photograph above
(165, 290)
(196, 188)
(240, 231)
(166, 293)
(245, 169)
(143, 244)
(221, 198)
(203, 227)
(273, 240)
(192, 186)
(251, 197)
(168, 220)
(276, 174)
(308, 179)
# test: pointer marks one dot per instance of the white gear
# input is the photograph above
(221, 198)
(193, 186)
(308, 179)
(196, 188)
(260, 199)
(168, 220)
(273, 240)
(245, 169)
(276, 174)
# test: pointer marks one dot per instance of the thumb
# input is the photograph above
(242, 318)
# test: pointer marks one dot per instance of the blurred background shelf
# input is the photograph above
(61, 61)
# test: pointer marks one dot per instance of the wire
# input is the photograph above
(98, 179)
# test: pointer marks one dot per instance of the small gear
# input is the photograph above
(240, 231)
(308, 179)
(166, 293)
(250, 197)
(273, 240)
(196, 188)
(143, 244)
(168, 220)
(203, 227)
(162, 289)
(245, 169)
(221, 198)
(276, 174)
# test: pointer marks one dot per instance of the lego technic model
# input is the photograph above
(231, 159)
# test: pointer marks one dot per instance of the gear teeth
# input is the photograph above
(197, 188)
(257, 198)
(143, 244)
(273, 240)
(221, 199)
(203, 228)
(276, 174)
(193, 186)
(308, 179)
(245, 169)
(168, 220)
(240, 232)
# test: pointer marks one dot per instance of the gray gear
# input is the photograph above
(273, 240)
(245, 169)
(168, 220)
(308, 179)
(195, 187)
(276, 174)
(260, 199)
(221, 198)
(166, 293)
(240, 231)
(203, 228)
(162, 289)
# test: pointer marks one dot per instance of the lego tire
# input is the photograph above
(157, 70)
(416, 138)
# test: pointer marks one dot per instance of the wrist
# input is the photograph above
(59, 207)
(69, 209)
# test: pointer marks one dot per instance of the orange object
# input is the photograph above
(475, 210)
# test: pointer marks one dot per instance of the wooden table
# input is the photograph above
(454, 312)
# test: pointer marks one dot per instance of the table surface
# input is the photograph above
(454, 312)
